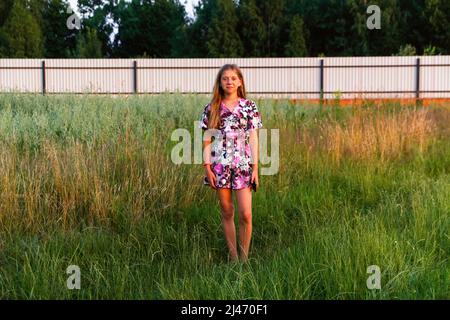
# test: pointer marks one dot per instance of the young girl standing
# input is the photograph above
(231, 162)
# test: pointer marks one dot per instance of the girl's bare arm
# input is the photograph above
(207, 151)
(254, 147)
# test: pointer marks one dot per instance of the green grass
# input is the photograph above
(88, 181)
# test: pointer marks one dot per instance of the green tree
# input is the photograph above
(88, 45)
(315, 22)
(5, 9)
(99, 15)
(296, 47)
(251, 28)
(167, 18)
(431, 51)
(58, 38)
(357, 43)
(149, 27)
(197, 31)
(21, 35)
(438, 12)
(272, 15)
(223, 28)
(414, 25)
(388, 39)
(407, 50)
(222, 38)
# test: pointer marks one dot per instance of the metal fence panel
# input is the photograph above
(300, 78)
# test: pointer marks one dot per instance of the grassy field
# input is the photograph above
(88, 181)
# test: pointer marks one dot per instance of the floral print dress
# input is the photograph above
(230, 152)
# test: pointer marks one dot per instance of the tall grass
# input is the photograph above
(89, 181)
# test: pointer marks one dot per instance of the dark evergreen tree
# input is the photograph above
(222, 38)
(21, 34)
(59, 40)
(223, 28)
(438, 13)
(149, 28)
(272, 15)
(251, 29)
(88, 45)
(296, 46)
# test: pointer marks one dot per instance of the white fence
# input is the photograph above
(300, 78)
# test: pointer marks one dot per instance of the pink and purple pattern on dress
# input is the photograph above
(230, 151)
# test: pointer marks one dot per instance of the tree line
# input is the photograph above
(222, 28)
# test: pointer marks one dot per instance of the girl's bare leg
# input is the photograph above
(227, 210)
(244, 199)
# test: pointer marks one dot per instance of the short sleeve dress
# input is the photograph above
(230, 151)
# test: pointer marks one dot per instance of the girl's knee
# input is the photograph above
(245, 216)
(227, 211)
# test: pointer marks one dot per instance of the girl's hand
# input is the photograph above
(212, 179)
(255, 178)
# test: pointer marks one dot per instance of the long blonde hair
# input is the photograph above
(218, 94)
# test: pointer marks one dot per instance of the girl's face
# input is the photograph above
(230, 81)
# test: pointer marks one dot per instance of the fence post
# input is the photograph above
(135, 76)
(321, 81)
(44, 86)
(418, 102)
